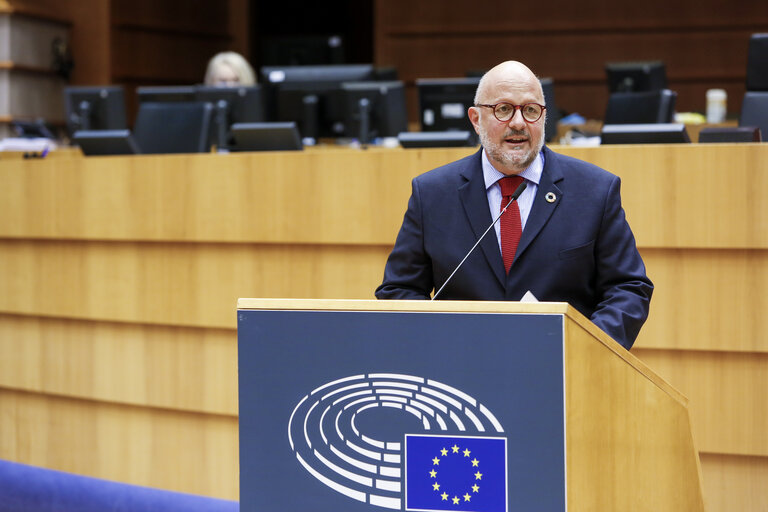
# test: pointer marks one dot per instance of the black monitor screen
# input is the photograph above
(166, 94)
(654, 133)
(443, 103)
(636, 76)
(95, 108)
(310, 95)
(374, 109)
(231, 105)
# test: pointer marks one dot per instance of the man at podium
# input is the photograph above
(560, 232)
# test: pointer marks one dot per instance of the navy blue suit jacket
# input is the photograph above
(577, 249)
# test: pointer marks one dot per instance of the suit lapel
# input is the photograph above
(474, 199)
(548, 197)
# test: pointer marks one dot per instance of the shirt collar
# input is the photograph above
(532, 173)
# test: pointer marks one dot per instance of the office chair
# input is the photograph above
(754, 111)
(641, 107)
(757, 63)
(173, 127)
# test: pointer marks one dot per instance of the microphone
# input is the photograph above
(515, 195)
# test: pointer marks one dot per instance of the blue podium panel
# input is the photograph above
(350, 411)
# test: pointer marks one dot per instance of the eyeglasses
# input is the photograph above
(505, 111)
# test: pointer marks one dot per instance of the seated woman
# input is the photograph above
(229, 69)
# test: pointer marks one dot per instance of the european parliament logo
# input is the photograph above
(449, 457)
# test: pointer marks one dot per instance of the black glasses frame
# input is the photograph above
(515, 108)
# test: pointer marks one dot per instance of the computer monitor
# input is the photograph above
(373, 110)
(106, 142)
(443, 103)
(553, 112)
(636, 76)
(655, 133)
(310, 96)
(266, 137)
(166, 93)
(729, 134)
(641, 107)
(453, 138)
(95, 108)
(231, 105)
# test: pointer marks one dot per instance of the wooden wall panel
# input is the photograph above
(175, 284)
(572, 42)
(728, 412)
(672, 195)
(174, 16)
(178, 59)
(185, 452)
(691, 284)
(734, 482)
(184, 369)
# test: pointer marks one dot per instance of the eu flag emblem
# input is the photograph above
(454, 473)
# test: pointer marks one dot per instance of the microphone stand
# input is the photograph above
(515, 195)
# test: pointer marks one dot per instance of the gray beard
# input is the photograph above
(519, 162)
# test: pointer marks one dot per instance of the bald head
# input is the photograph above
(512, 75)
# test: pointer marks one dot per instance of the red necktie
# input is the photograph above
(511, 226)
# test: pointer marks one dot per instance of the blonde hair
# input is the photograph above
(236, 62)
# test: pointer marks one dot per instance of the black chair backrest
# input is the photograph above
(641, 107)
(754, 111)
(757, 63)
(173, 127)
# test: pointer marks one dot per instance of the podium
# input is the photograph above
(356, 405)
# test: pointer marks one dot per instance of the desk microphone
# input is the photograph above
(515, 195)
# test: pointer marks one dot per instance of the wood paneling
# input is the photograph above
(725, 393)
(672, 195)
(691, 283)
(247, 197)
(572, 42)
(174, 16)
(734, 483)
(175, 284)
(185, 452)
(179, 58)
(184, 369)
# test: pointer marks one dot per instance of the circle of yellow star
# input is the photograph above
(455, 449)
(455, 500)
(467, 497)
(433, 474)
(466, 452)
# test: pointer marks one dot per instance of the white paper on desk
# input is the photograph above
(529, 297)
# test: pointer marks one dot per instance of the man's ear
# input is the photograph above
(474, 118)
